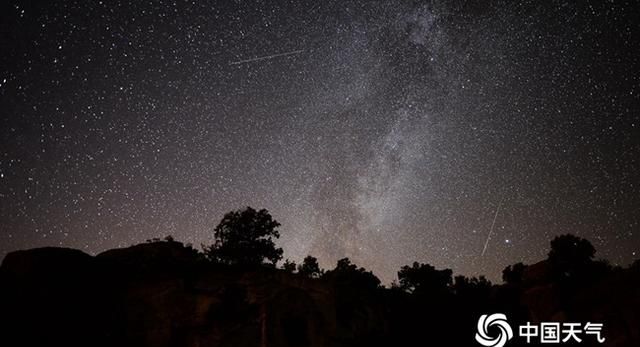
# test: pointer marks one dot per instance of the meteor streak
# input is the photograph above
(486, 243)
(266, 57)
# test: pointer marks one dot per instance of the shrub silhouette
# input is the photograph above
(348, 274)
(463, 285)
(424, 279)
(246, 237)
(289, 266)
(472, 295)
(512, 274)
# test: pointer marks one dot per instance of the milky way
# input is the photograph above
(388, 132)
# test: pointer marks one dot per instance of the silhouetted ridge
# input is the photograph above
(165, 293)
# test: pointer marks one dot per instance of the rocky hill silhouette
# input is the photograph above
(164, 293)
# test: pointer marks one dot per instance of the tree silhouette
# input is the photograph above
(570, 256)
(246, 237)
(310, 267)
(424, 278)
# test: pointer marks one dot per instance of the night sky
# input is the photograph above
(388, 132)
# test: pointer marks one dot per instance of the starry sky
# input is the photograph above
(388, 132)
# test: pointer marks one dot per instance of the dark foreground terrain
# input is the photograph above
(164, 294)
